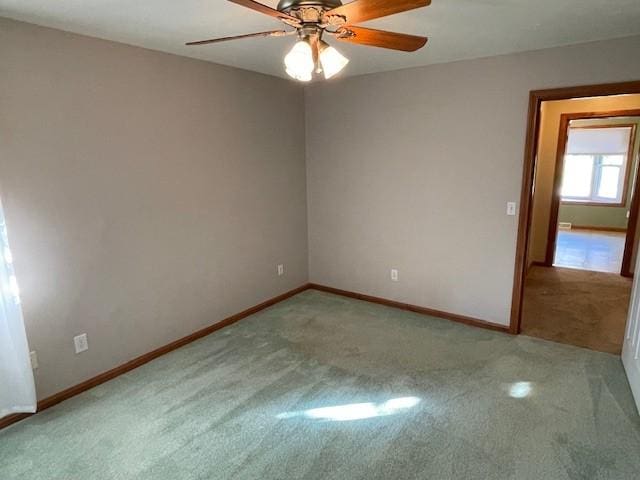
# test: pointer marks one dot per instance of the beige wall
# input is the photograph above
(149, 195)
(413, 169)
(146, 195)
(547, 151)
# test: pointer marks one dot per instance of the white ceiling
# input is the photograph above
(458, 29)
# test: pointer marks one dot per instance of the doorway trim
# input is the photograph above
(563, 136)
(536, 97)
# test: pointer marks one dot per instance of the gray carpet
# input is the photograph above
(323, 387)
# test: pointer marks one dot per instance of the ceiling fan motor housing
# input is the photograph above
(288, 5)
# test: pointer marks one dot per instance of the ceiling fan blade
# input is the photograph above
(363, 10)
(259, 7)
(381, 38)
(274, 33)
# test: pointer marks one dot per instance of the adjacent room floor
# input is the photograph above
(324, 387)
(590, 250)
(578, 307)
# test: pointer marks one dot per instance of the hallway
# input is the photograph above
(559, 306)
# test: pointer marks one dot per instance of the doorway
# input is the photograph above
(571, 276)
(593, 218)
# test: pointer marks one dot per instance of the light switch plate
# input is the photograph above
(511, 208)
(394, 275)
(80, 342)
(33, 356)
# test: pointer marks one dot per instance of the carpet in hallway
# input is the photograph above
(578, 307)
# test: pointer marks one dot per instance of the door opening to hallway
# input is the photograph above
(582, 241)
(596, 165)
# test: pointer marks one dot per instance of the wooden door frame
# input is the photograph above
(536, 98)
(563, 135)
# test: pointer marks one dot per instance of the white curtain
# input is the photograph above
(17, 390)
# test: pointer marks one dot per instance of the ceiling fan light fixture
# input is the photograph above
(311, 19)
(299, 61)
(300, 76)
(332, 60)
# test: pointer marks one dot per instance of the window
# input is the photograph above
(595, 165)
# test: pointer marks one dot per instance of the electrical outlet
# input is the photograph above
(511, 208)
(394, 275)
(33, 356)
(280, 270)
(81, 343)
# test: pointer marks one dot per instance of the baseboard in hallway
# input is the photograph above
(599, 229)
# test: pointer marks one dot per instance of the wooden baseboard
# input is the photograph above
(538, 263)
(147, 357)
(476, 322)
(599, 229)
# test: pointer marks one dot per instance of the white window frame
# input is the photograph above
(596, 176)
(623, 181)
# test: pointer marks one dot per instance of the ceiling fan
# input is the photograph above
(311, 19)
